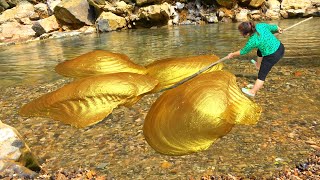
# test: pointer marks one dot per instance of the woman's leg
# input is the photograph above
(257, 86)
(259, 59)
(258, 63)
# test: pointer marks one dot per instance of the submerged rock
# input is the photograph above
(14, 150)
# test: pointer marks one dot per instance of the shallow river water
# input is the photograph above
(116, 147)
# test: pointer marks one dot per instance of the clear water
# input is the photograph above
(116, 146)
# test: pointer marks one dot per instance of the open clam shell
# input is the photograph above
(192, 116)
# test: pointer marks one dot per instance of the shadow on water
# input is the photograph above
(116, 146)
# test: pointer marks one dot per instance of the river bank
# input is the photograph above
(26, 21)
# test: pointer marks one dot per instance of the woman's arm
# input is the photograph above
(234, 54)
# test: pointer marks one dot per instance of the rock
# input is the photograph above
(108, 21)
(295, 13)
(255, 15)
(242, 15)
(295, 4)
(179, 5)
(51, 5)
(8, 167)
(224, 12)
(75, 13)
(98, 6)
(46, 25)
(13, 148)
(273, 15)
(154, 15)
(14, 32)
(273, 5)
(87, 29)
(312, 11)
(144, 2)
(22, 10)
(4, 5)
(211, 18)
(256, 3)
(226, 3)
(119, 8)
(42, 10)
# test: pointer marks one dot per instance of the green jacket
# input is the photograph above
(265, 41)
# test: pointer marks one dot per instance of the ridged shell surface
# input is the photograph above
(98, 62)
(172, 70)
(192, 116)
(89, 100)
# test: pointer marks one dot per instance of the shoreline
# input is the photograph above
(27, 22)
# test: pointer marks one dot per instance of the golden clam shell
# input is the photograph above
(98, 62)
(192, 116)
(172, 70)
(89, 100)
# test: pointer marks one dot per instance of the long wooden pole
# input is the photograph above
(286, 29)
(219, 61)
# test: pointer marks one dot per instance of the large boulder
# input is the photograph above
(75, 13)
(108, 21)
(14, 149)
(154, 15)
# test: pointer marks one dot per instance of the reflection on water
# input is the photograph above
(117, 147)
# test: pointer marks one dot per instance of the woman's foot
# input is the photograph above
(247, 92)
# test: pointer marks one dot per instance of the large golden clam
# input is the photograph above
(192, 116)
(98, 62)
(172, 70)
(89, 100)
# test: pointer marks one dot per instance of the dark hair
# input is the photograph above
(247, 28)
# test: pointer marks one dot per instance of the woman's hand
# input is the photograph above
(280, 30)
(233, 54)
(230, 55)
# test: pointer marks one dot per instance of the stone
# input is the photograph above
(154, 15)
(74, 12)
(242, 15)
(42, 10)
(226, 3)
(22, 10)
(46, 25)
(14, 32)
(108, 21)
(13, 148)
(51, 5)
(273, 5)
(119, 8)
(295, 4)
(256, 3)
(272, 14)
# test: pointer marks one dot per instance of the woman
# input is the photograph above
(270, 50)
